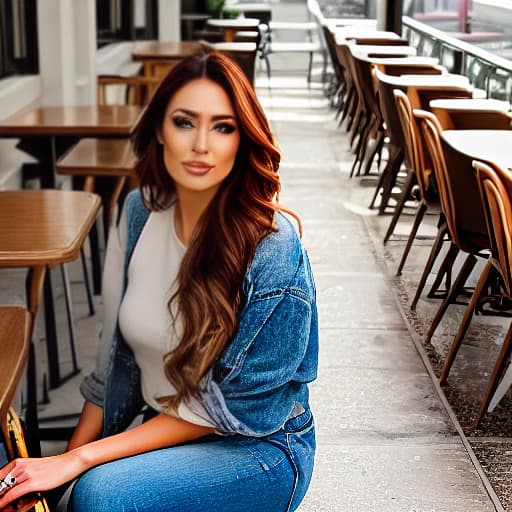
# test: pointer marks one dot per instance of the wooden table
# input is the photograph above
(154, 53)
(406, 61)
(335, 23)
(470, 104)
(40, 229)
(231, 26)
(47, 123)
(189, 21)
(486, 145)
(363, 32)
(370, 50)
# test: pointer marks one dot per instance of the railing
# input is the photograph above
(486, 71)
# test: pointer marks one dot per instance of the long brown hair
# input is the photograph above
(207, 297)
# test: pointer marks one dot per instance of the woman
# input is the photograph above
(216, 332)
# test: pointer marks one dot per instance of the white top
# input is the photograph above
(144, 319)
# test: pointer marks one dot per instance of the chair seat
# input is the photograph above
(98, 157)
(14, 340)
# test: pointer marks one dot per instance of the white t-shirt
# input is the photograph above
(144, 319)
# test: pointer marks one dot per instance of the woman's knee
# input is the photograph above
(94, 490)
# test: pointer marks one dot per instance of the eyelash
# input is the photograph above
(184, 123)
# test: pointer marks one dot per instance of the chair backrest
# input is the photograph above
(386, 87)
(420, 97)
(244, 54)
(496, 190)
(458, 119)
(331, 47)
(404, 69)
(135, 90)
(458, 189)
(413, 147)
(364, 83)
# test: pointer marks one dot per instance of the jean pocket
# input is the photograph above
(269, 456)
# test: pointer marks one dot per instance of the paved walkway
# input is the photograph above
(385, 441)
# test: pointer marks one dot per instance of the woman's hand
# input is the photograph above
(39, 474)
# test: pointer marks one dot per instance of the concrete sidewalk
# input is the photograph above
(385, 442)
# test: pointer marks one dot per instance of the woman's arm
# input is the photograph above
(50, 472)
(89, 427)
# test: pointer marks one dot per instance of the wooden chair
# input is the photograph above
(370, 124)
(443, 233)
(463, 209)
(15, 334)
(420, 173)
(244, 54)
(135, 90)
(495, 186)
(420, 91)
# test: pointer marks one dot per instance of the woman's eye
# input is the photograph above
(182, 122)
(225, 128)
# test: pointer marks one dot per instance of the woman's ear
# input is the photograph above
(159, 137)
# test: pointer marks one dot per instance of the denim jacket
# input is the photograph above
(260, 380)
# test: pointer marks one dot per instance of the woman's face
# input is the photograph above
(200, 136)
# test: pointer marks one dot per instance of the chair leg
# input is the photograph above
(71, 322)
(412, 235)
(445, 272)
(434, 252)
(497, 373)
(375, 151)
(388, 178)
(406, 192)
(360, 144)
(462, 277)
(468, 314)
(87, 283)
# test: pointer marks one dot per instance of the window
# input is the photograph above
(126, 20)
(18, 37)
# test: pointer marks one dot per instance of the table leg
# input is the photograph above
(229, 34)
(52, 348)
(34, 285)
(48, 167)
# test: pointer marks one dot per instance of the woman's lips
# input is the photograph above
(197, 168)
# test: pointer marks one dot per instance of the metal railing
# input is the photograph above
(485, 71)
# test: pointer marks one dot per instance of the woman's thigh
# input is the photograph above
(228, 475)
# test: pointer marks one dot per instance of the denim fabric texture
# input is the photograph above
(256, 393)
(230, 474)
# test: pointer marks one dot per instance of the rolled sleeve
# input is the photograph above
(259, 388)
(92, 387)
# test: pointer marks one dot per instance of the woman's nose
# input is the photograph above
(201, 142)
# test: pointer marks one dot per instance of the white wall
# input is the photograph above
(67, 51)
(169, 12)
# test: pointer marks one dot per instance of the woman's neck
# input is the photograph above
(189, 207)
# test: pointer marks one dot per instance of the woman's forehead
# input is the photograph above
(202, 96)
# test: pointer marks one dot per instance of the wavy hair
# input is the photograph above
(208, 293)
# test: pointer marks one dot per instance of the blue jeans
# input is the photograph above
(219, 474)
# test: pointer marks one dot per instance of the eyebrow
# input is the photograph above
(193, 114)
